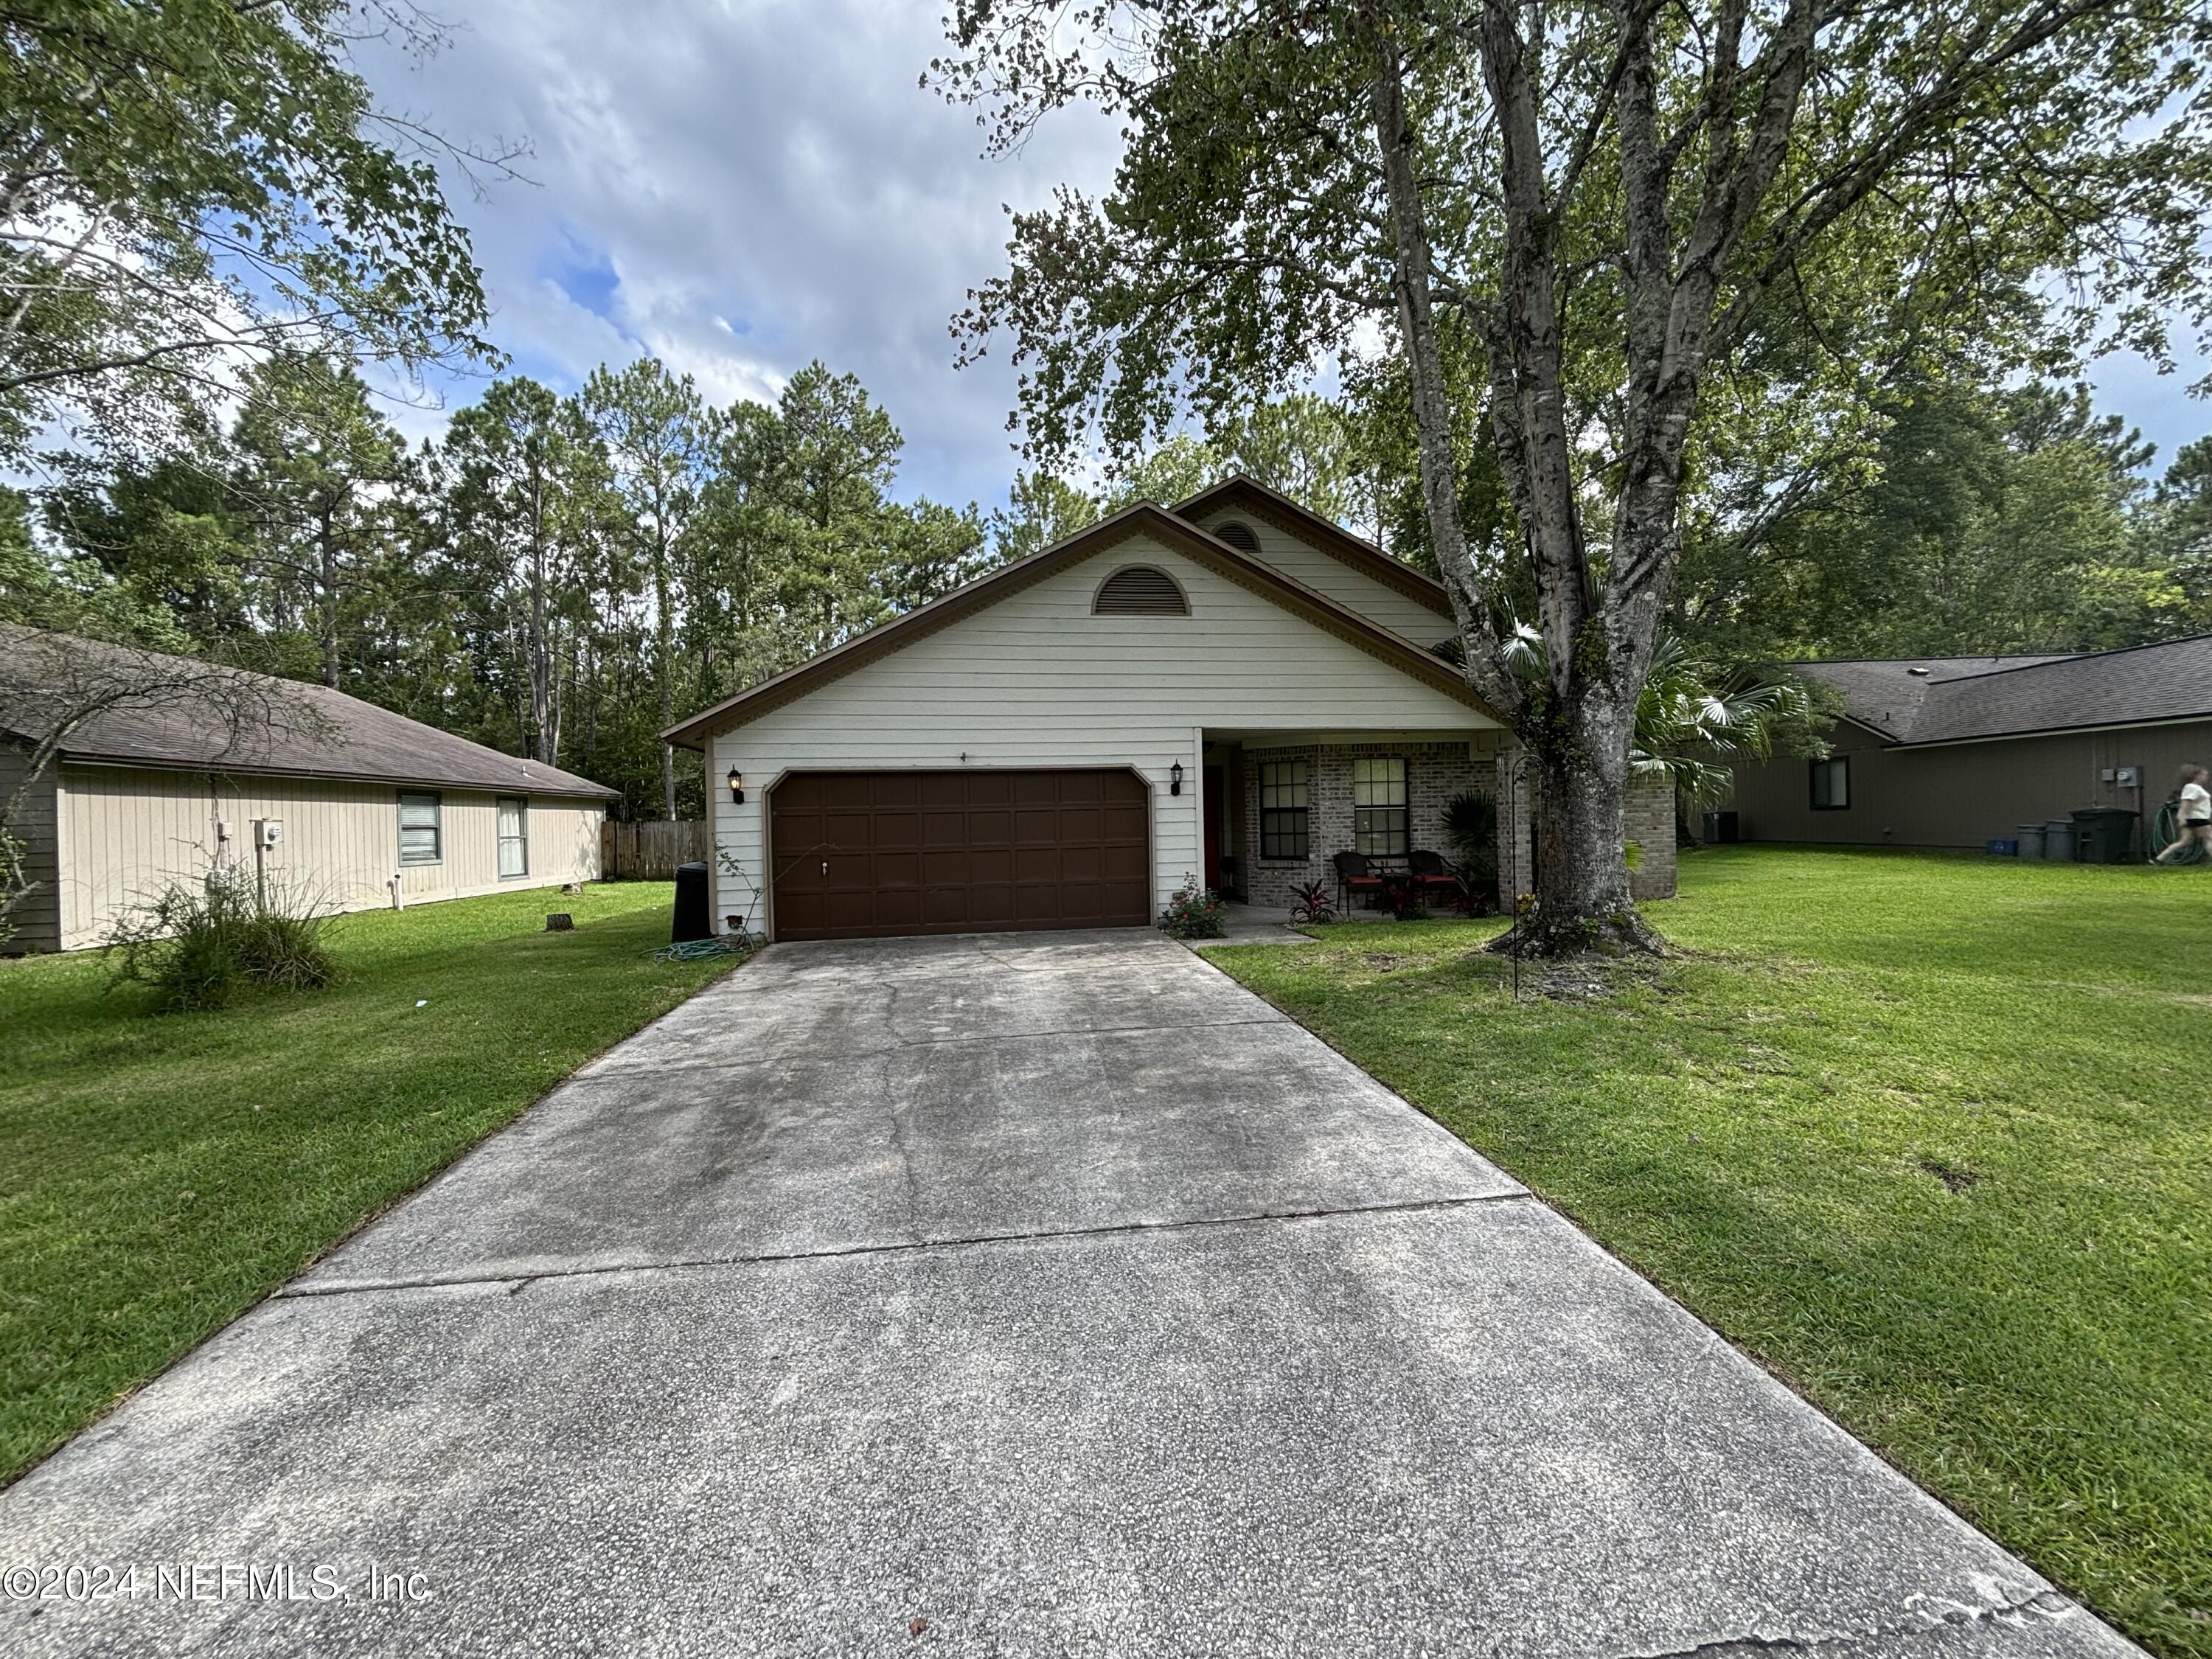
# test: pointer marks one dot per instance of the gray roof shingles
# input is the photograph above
(341, 737)
(1959, 699)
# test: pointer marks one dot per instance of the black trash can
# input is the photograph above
(692, 904)
(1720, 828)
(2103, 835)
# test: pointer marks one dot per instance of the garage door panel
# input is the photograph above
(943, 852)
(896, 827)
(898, 869)
(947, 852)
(844, 792)
(1036, 867)
(947, 866)
(940, 825)
(1126, 864)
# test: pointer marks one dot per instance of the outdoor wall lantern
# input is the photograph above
(737, 788)
(1175, 779)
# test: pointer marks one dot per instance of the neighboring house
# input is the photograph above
(374, 808)
(1954, 751)
(1234, 690)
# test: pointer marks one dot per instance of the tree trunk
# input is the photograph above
(1580, 775)
(329, 606)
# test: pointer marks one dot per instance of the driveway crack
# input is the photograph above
(895, 1113)
(2046, 1601)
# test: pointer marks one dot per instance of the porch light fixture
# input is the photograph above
(737, 788)
(1175, 779)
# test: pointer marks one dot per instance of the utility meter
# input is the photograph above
(267, 832)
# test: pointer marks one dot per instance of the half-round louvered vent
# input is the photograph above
(1238, 536)
(1141, 591)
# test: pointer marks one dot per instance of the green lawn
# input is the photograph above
(1930, 1137)
(159, 1173)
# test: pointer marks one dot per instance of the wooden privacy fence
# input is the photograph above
(651, 852)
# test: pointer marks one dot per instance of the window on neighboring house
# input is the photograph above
(1378, 806)
(1282, 809)
(513, 837)
(421, 838)
(1832, 784)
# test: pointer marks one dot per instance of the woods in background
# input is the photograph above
(558, 576)
(564, 576)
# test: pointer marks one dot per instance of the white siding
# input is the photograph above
(1036, 680)
(1326, 574)
(125, 830)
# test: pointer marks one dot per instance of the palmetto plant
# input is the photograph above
(1695, 721)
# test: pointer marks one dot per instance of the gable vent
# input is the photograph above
(1238, 536)
(1139, 591)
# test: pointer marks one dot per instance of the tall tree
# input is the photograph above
(526, 496)
(1042, 508)
(182, 181)
(319, 468)
(1602, 208)
(839, 454)
(652, 424)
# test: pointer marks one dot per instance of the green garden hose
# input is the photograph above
(2166, 830)
(701, 950)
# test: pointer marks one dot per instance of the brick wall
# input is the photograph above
(1435, 772)
(1651, 813)
(1651, 826)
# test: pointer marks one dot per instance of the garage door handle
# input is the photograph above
(825, 866)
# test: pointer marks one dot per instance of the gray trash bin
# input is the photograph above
(2031, 840)
(2058, 841)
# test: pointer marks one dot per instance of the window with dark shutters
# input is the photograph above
(1139, 591)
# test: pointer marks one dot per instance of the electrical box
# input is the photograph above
(2106, 776)
(2127, 777)
(267, 832)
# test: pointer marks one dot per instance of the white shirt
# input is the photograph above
(2196, 802)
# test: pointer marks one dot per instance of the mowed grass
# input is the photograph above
(1930, 1137)
(159, 1173)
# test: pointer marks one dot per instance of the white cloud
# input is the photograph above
(739, 190)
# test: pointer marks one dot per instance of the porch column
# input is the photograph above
(1516, 864)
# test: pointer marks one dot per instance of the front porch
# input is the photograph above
(1277, 807)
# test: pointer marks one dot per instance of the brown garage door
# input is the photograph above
(860, 855)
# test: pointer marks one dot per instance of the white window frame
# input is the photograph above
(436, 827)
(1381, 794)
(499, 838)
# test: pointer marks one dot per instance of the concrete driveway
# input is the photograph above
(1017, 1295)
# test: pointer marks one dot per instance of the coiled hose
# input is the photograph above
(2166, 830)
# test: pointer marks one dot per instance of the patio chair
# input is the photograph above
(1431, 874)
(1355, 875)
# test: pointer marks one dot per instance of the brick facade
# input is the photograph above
(1435, 773)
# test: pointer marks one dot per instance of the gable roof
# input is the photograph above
(1929, 700)
(1145, 519)
(309, 731)
(1249, 496)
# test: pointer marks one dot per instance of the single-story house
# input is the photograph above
(1230, 691)
(350, 805)
(1956, 751)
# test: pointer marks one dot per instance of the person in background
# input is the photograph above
(2194, 813)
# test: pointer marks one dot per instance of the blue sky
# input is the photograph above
(739, 188)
